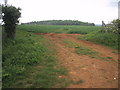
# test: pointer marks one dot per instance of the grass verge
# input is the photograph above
(29, 62)
(107, 39)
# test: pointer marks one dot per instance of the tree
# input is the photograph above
(117, 24)
(10, 19)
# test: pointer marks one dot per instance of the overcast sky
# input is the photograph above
(83, 10)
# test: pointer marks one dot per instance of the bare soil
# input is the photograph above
(86, 72)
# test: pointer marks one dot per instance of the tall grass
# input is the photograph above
(29, 62)
(59, 28)
(107, 39)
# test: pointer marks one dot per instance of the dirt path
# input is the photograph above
(86, 72)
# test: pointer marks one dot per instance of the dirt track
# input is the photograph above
(86, 72)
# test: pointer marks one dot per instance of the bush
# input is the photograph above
(10, 19)
(107, 39)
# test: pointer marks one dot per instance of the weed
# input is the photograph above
(109, 57)
(79, 82)
(84, 51)
(94, 56)
(29, 61)
(114, 51)
(79, 49)
(69, 43)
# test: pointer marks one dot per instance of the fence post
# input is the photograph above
(119, 17)
(103, 26)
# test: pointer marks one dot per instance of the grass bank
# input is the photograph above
(84, 50)
(107, 39)
(29, 62)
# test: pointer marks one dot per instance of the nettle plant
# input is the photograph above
(11, 15)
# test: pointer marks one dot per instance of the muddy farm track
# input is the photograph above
(86, 71)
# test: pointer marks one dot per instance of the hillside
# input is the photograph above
(61, 22)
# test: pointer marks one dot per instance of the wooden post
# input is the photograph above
(119, 10)
(103, 26)
(5, 2)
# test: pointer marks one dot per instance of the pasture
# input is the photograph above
(58, 28)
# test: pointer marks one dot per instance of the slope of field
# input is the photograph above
(29, 61)
(59, 28)
(107, 39)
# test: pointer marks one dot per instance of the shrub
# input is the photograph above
(10, 19)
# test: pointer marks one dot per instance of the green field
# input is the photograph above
(58, 28)
(91, 33)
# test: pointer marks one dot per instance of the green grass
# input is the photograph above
(29, 61)
(79, 49)
(84, 50)
(107, 39)
(59, 29)
(115, 52)
(70, 43)
(79, 82)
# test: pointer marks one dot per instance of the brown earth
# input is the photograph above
(84, 71)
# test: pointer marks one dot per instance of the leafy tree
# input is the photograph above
(117, 23)
(10, 19)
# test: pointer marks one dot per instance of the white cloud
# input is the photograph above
(83, 10)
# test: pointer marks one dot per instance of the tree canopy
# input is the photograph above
(10, 19)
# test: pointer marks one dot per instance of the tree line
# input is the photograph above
(61, 22)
